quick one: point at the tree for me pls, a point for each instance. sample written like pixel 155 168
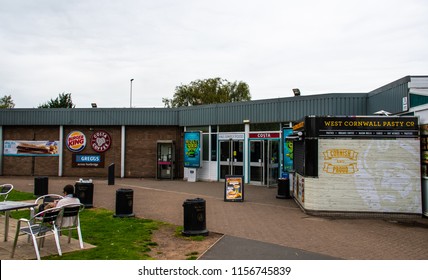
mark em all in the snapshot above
pixel 62 101
pixel 208 91
pixel 6 102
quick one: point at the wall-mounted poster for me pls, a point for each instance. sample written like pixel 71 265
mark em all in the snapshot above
pixel 192 149
pixel 234 188
pixel 30 148
pixel 288 150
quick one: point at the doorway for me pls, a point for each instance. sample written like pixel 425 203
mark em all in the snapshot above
pixel 231 158
pixel 264 162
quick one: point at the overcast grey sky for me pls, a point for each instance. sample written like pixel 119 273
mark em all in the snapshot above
pixel 92 48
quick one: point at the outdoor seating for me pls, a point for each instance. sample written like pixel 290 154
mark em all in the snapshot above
pixel 70 220
pixel 42 201
pixel 5 189
pixel 38 227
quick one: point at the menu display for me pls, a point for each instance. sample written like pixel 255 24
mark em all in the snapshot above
pixel 234 188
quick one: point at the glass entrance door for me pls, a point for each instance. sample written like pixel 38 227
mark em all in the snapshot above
pixel 257 159
pixel 273 162
pixel 264 162
pixel 231 158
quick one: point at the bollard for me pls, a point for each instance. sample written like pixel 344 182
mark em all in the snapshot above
pixel 194 217
pixel 111 174
pixel 41 186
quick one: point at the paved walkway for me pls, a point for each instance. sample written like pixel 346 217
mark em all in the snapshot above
pixel 261 220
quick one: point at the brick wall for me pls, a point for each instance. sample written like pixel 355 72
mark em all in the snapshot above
pixel 140 155
pixel 30 166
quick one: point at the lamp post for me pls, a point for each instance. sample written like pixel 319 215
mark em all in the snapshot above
pixel 130 95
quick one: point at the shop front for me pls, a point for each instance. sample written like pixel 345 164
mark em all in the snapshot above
pixel 264 154
pixel 357 164
pixel 231 154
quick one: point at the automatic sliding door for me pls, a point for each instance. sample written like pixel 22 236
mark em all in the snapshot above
pixel 256 162
pixel 231 158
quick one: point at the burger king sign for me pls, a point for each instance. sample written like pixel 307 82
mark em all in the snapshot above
pixel 76 141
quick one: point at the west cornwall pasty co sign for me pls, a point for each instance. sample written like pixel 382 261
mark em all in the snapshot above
pixel 370 127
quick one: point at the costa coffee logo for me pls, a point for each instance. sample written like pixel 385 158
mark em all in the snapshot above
pixel 76 141
pixel 100 141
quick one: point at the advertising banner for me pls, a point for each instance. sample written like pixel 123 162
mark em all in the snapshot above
pixel 234 188
pixel 192 149
pixel 30 148
pixel 288 150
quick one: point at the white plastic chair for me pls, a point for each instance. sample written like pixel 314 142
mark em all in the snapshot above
pixel 5 189
pixel 43 224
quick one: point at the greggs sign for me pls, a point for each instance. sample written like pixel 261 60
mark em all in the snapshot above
pixel 76 141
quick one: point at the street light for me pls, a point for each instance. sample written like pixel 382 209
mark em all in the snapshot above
pixel 130 95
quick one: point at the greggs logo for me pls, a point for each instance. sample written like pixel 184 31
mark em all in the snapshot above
pixel 76 141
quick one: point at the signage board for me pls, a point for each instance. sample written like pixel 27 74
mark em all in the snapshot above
pixel 361 127
pixel 264 135
pixel 231 136
pixel 30 148
pixel 100 141
pixel 234 188
pixel 88 160
pixel 76 141
pixel 192 149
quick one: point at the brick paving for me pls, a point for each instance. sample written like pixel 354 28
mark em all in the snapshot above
pixel 262 217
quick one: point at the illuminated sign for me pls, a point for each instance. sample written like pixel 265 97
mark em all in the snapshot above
pixel 75 141
pixel 100 141
pixel 264 135
pixel 192 149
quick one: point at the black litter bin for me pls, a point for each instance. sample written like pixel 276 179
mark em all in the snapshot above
pixel 124 203
pixel 84 191
pixel 194 217
pixel 283 188
pixel 41 186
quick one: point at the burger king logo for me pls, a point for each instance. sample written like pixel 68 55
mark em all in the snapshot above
pixel 76 141
pixel 100 141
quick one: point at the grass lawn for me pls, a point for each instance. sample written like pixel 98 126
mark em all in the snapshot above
pixel 115 238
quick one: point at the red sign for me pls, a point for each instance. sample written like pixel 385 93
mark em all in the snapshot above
pixel 100 141
pixel 264 135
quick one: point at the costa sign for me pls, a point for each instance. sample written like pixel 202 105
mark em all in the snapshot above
pixel 76 141
pixel 264 135
pixel 100 141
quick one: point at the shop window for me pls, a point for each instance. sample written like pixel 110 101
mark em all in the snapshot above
pixel 198 128
pixel 213 147
pixel 205 147
pixel 232 128
pixel 265 126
